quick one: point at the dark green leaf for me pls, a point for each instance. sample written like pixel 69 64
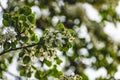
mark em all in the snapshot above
pixel 21 11
pixel 10 59
pixel 25 24
pixel 48 63
pixel 69 44
pixel 25 39
pixel 5 22
pixel 37 74
pixel 26 59
pixel 6 45
pixel 22 17
pixel 58 61
pixel 31 18
pixel 45 32
pixel 29 74
pixel 1 74
pixel 6 16
pixel 65 49
pixel 25 10
pixel 3 66
pixel 55 73
pixel 33 67
pixel 15 18
pixel 13 44
pixel 34 38
pixel 31 31
pixel 22 72
pixel 21 54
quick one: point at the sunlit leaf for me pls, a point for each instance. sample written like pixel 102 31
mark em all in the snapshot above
pixel 61 27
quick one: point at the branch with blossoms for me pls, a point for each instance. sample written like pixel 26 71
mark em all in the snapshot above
pixel 18 34
pixel 4 52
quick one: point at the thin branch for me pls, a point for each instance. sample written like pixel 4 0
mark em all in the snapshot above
pixel 18 48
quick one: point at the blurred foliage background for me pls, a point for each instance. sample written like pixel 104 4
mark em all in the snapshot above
pixel 95 49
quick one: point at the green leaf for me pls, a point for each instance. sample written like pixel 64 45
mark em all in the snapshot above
pixel 3 66
pixel 10 59
pixel 22 72
pixel 71 32
pixel 24 39
pixel 44 78
pixel 1 75
pixel 61 27
pixel 21 11
pixel 58 61
pixel 64 49
pixel 31 31
pixel 55 73
pixel 15 18
pixel 22 17
pixel 25 10
pixel 29 74
pixel 45 32
pixel 26 59
pixel 21 54
pixel 31 18
pixel 25 24
pixel 5 22
pixel 69 44
pixel 34 38
pixel 84 76
pixel 37 74
pixel 13 44
pixel 6 45
pixel 37 54
pixel 48 63
pixel 6 16
pixel 33 67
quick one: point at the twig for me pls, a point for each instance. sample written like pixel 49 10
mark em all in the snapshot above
pixel 18 48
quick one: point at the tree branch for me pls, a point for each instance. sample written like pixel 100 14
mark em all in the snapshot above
pixel 18 48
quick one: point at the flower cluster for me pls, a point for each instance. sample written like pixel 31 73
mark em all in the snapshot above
pixel 71 77
pixel 10 35
pixel 57 38
pixel 48 54
pixel 7 34
pixel 53 40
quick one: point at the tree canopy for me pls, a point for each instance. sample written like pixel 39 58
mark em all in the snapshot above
pixel 69 36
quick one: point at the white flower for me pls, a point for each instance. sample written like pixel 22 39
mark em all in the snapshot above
pixel 71 77
pixel 41 58
pixel 41 50
pixel 10 35
pixel 71 39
